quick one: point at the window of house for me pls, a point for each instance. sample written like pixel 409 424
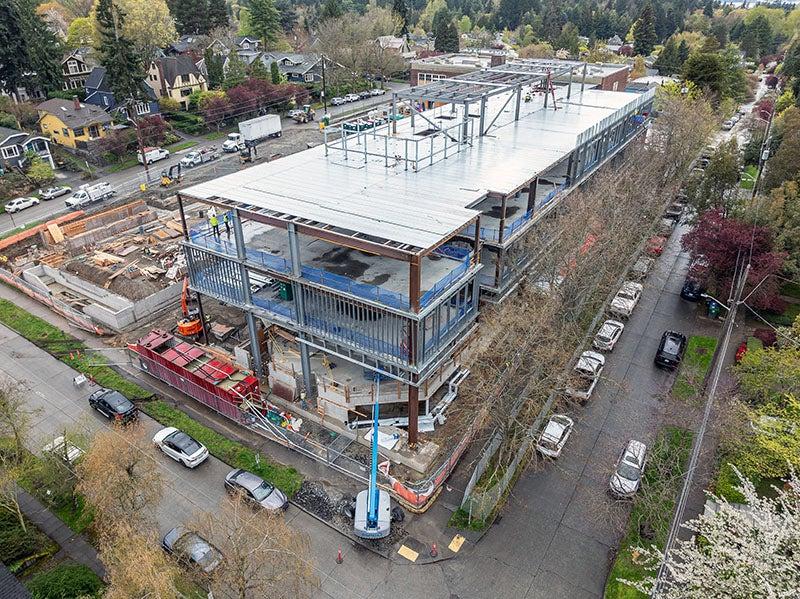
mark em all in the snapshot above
pixel 186 92
pixel 10 151
pixel 65 86
pixel 185 79
pixel 615 86
pixel 73 84
pixel 142 108
pixel 309 77
pixel 428 77
pixel 93 131
pixel 72 65
pixel 65 132
pixel 78 132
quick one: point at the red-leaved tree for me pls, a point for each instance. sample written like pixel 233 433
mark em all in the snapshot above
pixel 715 244
pixel 153 130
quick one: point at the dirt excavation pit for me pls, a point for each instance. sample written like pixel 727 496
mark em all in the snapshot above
pixel 130 288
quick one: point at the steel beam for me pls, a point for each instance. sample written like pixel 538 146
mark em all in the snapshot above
pixel 299 305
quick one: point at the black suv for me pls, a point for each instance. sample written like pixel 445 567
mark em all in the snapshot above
pixel 670 350
pixel 692 290
pixel 113 405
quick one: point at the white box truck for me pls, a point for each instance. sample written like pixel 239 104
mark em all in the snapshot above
pixel 88 194
pixel 260 128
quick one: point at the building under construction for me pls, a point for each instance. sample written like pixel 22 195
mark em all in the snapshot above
pixel 366 258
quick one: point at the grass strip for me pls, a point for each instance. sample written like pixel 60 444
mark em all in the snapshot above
pixel 68 349
pixel 286 478
pixel 181 145
pixel 652 509
pixel 694 366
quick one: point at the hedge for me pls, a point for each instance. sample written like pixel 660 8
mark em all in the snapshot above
pixel 64 582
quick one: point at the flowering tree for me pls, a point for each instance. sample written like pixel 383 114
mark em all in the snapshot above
pixel 751 551
pixel 715 244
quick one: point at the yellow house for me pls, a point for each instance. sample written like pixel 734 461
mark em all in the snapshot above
pixel 176 77
pixel 72 124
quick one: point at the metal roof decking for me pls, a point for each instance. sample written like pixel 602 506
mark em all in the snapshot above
pixel 415 211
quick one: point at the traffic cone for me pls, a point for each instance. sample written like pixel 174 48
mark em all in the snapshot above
pixel 434 551
pixel 339 558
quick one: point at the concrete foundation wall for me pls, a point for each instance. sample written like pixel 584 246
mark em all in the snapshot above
pixel 109 310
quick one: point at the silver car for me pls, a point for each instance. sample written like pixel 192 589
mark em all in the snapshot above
pixel 54 192
pixel 629 470
pixel 256 490
pixel 192 549
pixel 608 335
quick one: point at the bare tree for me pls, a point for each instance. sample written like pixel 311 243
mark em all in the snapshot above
pixel 262 555
pixel 15 415
pixel 119 476
pixel 137 567
pixel 10 470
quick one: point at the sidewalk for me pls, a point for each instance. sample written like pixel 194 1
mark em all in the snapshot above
pixel 72 545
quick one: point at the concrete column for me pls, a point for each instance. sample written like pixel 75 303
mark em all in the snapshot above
pixel 305 358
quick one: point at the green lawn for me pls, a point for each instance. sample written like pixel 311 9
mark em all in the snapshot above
pixel 287 479
pixel 8 234
pixel 668 458
pixel 68 349
pixel 122 165
pixel 749 176
pixel 694 366
pixel 214 135
pixel 181 145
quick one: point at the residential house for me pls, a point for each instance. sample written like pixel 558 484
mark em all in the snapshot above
pixel 183 45
pixel 16 145
pixel 71 123
pixel 75 68
pixel 176 77
pixel 296 68
pixel 98 93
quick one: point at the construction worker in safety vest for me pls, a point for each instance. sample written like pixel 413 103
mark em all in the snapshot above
pixel 213 220
pixel 226 218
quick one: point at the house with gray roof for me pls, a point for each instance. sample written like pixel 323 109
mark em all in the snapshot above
pixel 72 123
pixel 176 77
pixel 15 147
pixel 99 93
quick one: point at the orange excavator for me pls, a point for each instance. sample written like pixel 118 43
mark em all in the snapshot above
pixel 190 325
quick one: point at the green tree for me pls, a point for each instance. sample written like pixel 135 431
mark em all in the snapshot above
pixel 683 52
pixel 331 9
pixel 568 39
pixel 214 68
pixel 259 71
pixel 784 165
pixel 191 16
pixel 80 33
pixel 644 31
pixel 123 66
pixel 13 62
pixel 265 21
pixel 237 71
pixel 766 375
pixel 39 171
pixel 275 73
pixel 708 8
pixel 720 182
pixel 445 32
pixel 217 14
pixel 667 62
pixel 400 8
pixel 781 211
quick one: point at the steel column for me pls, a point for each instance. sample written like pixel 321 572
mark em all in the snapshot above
pixel 255 348
pixel 583 78
pixel 481 131
pixel 519 101
pixel 465 121
pixel 532 188
pixel 394 113
pixel 569 87
pixel 183 218
pixel 299 305
pixel 414 282
pixel 413 416
pixel 501 233
pixel 252 329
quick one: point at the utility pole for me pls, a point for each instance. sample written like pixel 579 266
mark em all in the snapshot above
pixel 719 363
pixel 324 88
pixel 131 108
pixel 763 154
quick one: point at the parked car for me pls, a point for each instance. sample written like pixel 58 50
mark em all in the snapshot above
pixel 626 299
pixel 606 338
pixel 338 101
pixel 18 204
pixel 352 98
pixel 675 211
pixel 629 469
pixel 180 447
pixel 54 192
pixel 655 245
pixel 665 226
pixel 555 435
pixel 64 449
pixel 191 549
pixel 377 91
pixel 692 290
pixel 642 267
pixel 151 155
pixel 364 95
pixel 670 350
pixel 113 405
pixel 256 490
pixel 586 375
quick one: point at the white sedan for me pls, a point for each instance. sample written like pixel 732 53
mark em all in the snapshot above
pixel 18 204
pixel 608 335
pixel 554 436
pixel 180 447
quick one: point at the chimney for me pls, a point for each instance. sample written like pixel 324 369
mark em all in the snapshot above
pixel 76 102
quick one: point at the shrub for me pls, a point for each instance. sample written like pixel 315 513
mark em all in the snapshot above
pixel 169 105
pixel 65 581
pixel 8 120
pixel 40 171
pixel 16 544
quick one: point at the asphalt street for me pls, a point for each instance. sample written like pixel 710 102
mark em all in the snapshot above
pixel 126 183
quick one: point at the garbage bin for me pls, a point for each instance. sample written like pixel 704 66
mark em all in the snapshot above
pixel 326 119
pixel 713 309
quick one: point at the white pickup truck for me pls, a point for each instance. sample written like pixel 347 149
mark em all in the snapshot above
pixel 87 194
pixel 585 375
pixel 198 157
